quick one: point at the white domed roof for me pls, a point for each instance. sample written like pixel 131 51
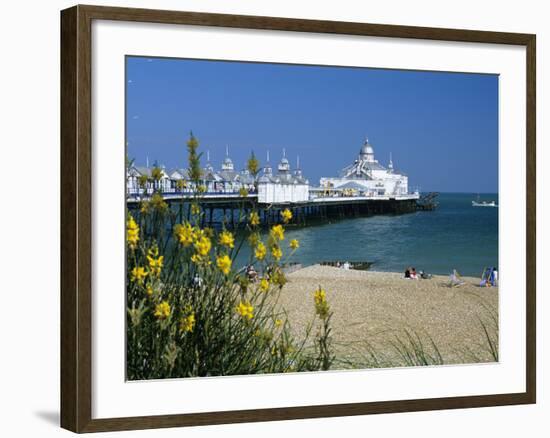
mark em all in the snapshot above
pixel 227 164
pixel 367 151
pixel 367 148
pixel 284 165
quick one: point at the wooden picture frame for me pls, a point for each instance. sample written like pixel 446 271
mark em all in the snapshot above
pixel 76 217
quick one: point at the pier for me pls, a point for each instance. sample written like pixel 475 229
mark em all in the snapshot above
pixel 363 188
pixel 228 209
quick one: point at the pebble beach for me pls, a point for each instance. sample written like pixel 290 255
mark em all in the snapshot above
pixel 375 311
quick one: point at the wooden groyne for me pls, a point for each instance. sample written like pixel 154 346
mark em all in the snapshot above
pixel 359 266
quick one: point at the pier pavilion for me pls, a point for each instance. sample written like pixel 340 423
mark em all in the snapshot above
pixel 367 176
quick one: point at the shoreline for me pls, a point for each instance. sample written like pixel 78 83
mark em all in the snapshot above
pixel 470 280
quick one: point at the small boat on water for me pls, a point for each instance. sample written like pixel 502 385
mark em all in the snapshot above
pixel 479 203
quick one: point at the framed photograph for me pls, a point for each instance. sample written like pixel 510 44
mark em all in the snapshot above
pixel 269 218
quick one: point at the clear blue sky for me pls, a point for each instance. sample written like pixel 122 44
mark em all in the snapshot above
pixel 442 128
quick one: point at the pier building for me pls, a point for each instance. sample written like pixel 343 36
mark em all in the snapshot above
pixel 284 186
pixel 367 177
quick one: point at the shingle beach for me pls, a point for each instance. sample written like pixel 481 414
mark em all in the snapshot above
pixel 374 309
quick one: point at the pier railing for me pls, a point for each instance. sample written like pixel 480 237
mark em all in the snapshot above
pixel 174 196
pixel 253 196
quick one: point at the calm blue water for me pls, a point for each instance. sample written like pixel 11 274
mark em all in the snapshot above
pixel 456 235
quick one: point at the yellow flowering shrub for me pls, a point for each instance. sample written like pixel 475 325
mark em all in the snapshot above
pixel 277 277
pixel 320 296
pixel 138 274
pixel 260 251
pixel 254 218
pixel 203 246
pixel 156 262
pixel 245 310
pixel 277 232
pixel 184 233
pixel 227 239
pixel 286 215
pixel 264 284
pixel 162 310
pixel 321 305
pixel 187 323
pixel 243 193
pixel 144 207
pixel 199 260
pixel 132 232
pixel 276 252
pixel 192 309
pixel 158 203
pixel 195 210
pixel 223 263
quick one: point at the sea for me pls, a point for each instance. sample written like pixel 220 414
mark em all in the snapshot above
pixel 454 236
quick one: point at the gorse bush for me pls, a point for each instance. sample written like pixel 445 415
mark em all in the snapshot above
pixel 192 312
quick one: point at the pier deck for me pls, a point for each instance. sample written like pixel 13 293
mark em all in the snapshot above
pixel 226 207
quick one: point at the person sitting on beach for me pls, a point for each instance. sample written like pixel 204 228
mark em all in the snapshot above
pixel 424 275
pixel 408 273
pixel 414 276
pixel 346 265
pixel 251 273
pixel 455 280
